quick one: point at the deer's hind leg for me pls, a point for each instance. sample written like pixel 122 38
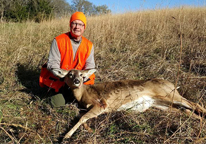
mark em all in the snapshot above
pixel 93 112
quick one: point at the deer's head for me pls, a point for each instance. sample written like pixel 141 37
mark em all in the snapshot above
pixel 76 78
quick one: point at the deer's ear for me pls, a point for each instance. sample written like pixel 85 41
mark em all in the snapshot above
pixel 91 71
pixel 88 73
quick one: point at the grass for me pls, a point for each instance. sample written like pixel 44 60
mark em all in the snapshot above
pixel 166 43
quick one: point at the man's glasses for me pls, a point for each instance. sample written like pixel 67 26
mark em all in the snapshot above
pixel 77 24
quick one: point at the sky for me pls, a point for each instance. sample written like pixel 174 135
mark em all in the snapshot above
pixel 121 6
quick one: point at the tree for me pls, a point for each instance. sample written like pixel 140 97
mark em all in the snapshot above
pixel 88 8
pixel 39 9
pixel 102 10
pixel 61 8
pixel 4 6
pixel 13 10
pixel 22 10
pixel 77 5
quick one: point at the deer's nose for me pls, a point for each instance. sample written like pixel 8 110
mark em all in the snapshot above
pixel 76 81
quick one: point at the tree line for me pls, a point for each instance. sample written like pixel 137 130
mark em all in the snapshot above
pixel 38 10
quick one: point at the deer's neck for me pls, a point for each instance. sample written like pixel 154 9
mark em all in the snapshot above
pixel 86 96
pixel 78 92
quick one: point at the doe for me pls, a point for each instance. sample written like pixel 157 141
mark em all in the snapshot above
pixel 137 95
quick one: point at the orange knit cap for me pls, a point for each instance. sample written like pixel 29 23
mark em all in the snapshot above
pixel 78 16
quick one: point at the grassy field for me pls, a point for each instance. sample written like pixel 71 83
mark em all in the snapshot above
pixel 168 43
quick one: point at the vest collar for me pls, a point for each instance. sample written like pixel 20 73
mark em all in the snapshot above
pixel 76 42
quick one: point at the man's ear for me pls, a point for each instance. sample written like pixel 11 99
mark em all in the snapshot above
pixel 88 73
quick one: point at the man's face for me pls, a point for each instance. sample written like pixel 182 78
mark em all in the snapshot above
pixel 77 28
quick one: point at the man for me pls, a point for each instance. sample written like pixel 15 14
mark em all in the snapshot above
pixel 68 51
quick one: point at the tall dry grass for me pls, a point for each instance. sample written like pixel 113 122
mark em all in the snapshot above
pixel 167 43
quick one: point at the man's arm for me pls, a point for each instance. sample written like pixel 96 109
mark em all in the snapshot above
pixel 53 64
pixel 90 64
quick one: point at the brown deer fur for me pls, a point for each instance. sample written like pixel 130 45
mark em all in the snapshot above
pixel 138 95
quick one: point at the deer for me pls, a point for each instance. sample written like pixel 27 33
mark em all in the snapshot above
pixel 136 95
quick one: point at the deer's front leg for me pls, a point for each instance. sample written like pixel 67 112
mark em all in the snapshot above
pixel 94 112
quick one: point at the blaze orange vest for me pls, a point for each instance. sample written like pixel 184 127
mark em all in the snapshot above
pixel 65 47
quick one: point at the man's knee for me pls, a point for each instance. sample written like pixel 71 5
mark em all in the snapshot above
pixel 57 100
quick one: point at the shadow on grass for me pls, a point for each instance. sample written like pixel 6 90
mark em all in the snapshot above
pixel 29 77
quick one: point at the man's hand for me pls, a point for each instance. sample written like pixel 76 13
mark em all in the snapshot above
pixel 60 73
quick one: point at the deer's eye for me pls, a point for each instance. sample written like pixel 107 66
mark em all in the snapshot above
pixel 70 75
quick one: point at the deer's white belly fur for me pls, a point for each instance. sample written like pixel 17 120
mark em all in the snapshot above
pixel 141 104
